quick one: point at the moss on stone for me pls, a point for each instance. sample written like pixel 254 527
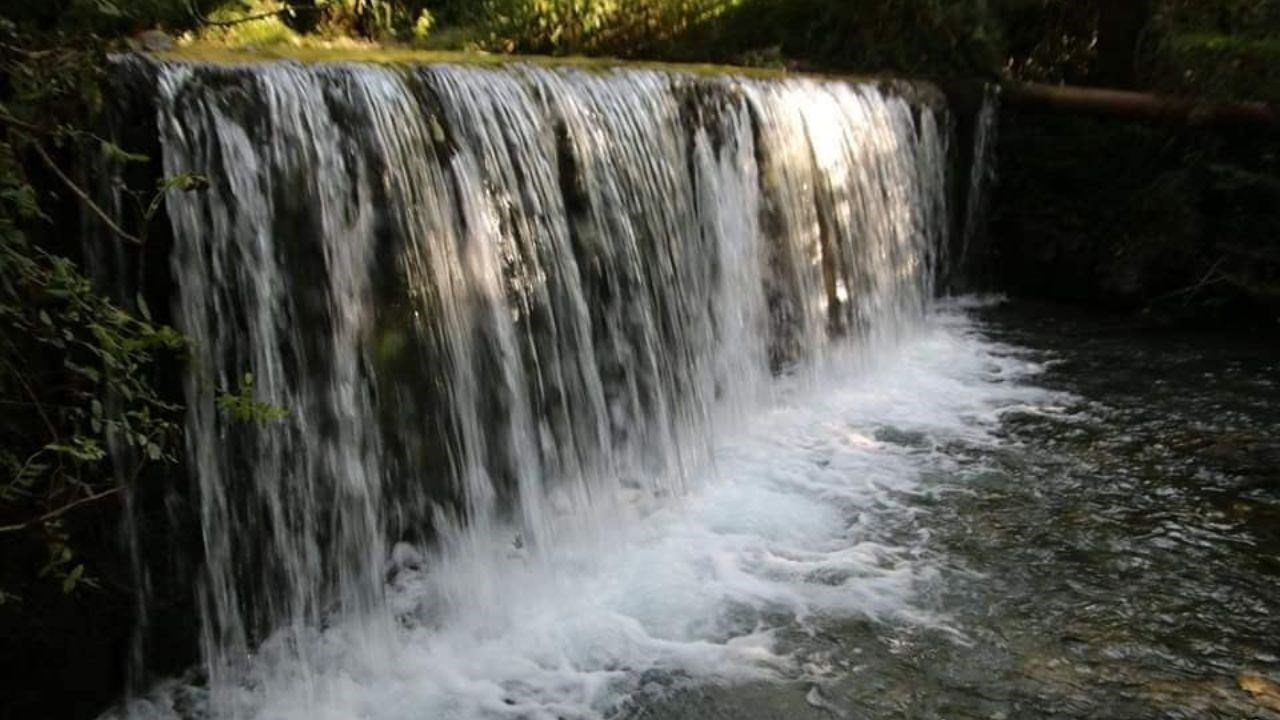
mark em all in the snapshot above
pixel 918 92
pixel 401 55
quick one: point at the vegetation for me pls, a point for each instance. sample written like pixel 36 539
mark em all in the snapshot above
pixel 1181 223
pixel 82 416
pixel 1224 47
pixel 89 411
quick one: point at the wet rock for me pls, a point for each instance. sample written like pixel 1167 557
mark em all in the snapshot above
pixel 815 698
pixel 1265 692
pixel 151 41
pixel 1245 456
pixel 907 438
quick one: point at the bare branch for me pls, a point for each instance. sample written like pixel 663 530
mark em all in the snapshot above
pixel 60 511
pixel 35 399
pixel 84 197
pixel 245 19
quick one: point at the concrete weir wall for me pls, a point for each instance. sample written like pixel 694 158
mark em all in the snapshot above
pixel 767 215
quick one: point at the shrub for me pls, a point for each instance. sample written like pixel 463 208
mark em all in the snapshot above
pixel 80 413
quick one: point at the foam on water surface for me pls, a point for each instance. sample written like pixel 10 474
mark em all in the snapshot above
pixel 594 381
pixel 787 529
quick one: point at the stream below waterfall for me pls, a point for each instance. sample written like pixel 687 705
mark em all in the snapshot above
pixel 1017 513
pixel 1110 550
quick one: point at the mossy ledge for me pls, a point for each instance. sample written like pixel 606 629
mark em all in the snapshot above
pixel 919 91
pixel 392 55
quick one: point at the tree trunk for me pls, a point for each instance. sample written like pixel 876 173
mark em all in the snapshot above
pixel 1120 26
pixel 1144 107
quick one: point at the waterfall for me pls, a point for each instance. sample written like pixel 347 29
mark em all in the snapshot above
pixel 982 175
pixel 502 308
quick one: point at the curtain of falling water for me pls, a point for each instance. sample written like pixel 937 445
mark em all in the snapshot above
pixel 493 301
pixel 982 173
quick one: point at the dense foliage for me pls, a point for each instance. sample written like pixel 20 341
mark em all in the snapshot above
pixel 82 415
pixel 1182 226
pixel 1181 222
pixel 1224 47
pixel 89 411
pixel 924 34
pixel 1221 49
pixel 40 21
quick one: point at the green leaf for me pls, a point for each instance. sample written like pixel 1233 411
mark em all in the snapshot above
pixel 116 153
pixel 186 182
pixel 81 448
pixel 31 473
pixel 69 582
pixel 142 307
pixel 87 372
pixel 108 9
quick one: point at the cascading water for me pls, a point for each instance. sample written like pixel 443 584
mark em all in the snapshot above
pixel 513 315
pixel 982 174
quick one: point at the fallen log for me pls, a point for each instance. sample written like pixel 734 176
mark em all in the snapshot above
pixel 1139 106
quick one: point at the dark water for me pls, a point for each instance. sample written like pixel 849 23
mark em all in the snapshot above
pixel 1114 556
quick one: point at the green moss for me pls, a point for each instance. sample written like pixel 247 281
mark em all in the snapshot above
pixel 916 92
pixel 452 37
pixel 263 31
pixel 401 55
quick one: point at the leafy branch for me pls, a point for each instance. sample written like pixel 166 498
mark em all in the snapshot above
pixel 243 407
pixel 82 366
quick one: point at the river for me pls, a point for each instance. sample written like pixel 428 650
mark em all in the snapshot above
pixel 1111 550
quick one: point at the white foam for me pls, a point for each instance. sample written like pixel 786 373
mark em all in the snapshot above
pixel 788 529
